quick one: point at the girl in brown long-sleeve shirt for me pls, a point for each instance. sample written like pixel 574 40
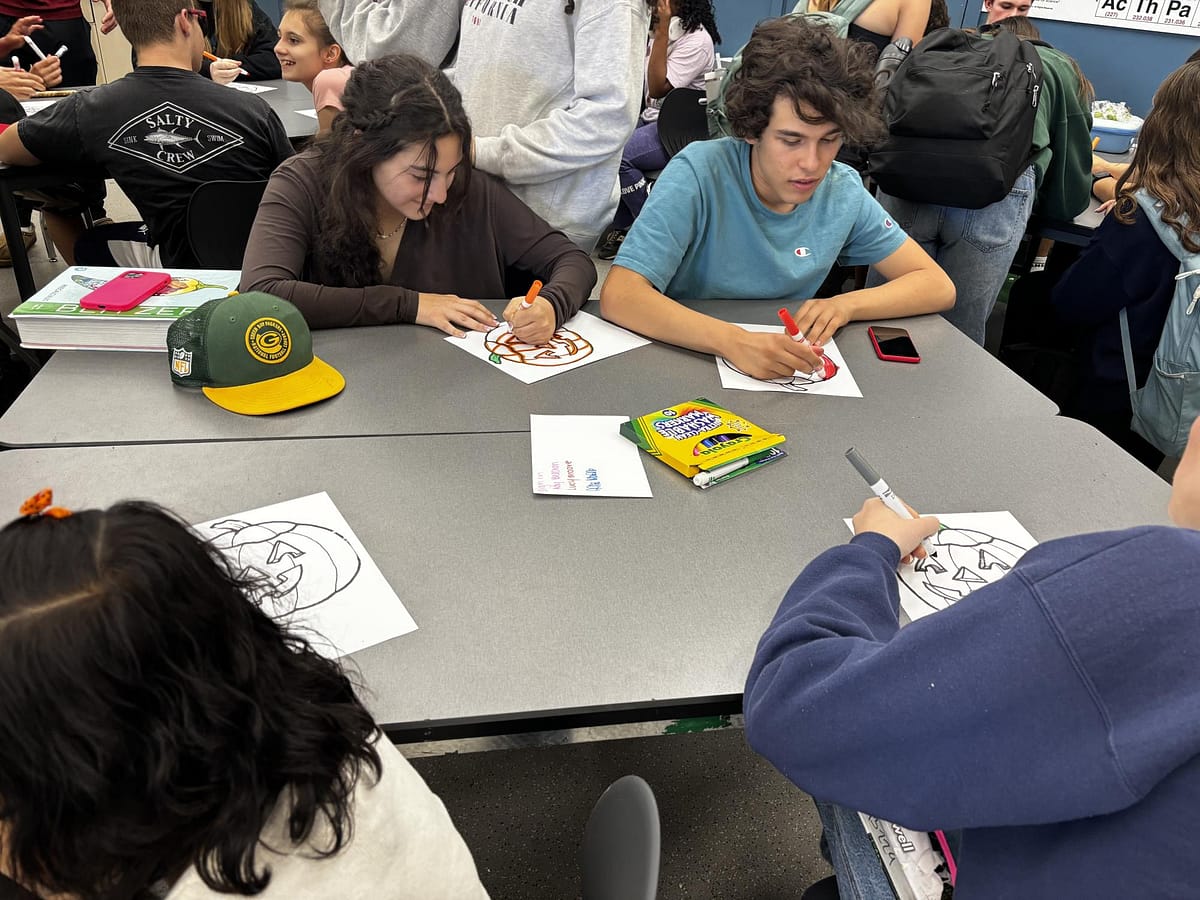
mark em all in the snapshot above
pixel 385 221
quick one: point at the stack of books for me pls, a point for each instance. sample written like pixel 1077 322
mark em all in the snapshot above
pixel 52 318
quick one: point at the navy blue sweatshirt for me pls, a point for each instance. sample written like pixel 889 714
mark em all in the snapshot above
pixel 1124 266
pixel 1054 715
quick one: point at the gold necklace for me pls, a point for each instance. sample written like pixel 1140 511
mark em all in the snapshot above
pixel 391 234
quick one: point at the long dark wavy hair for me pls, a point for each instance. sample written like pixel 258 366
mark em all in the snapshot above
pixel 391 104
pixel 693 14
pixel 1166 163
pixel 807 63
pixel 151 715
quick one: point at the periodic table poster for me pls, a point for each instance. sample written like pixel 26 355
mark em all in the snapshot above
pixel 1168 16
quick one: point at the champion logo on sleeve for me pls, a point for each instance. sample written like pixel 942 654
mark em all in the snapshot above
pixel 888 223
pixel 802 252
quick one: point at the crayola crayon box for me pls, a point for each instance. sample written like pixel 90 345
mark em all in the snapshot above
pixel 700 436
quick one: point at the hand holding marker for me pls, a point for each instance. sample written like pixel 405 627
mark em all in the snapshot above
pixel 880 489
pixel 531 294
pixel 828 369
pixel 212 57
pixel 527 303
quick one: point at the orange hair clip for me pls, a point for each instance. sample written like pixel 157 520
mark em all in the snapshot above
pixel 39 505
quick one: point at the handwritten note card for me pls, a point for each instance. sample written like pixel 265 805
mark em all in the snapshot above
pixel 585 456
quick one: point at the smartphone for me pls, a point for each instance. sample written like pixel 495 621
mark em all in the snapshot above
pixel 893 344
pixel 125 291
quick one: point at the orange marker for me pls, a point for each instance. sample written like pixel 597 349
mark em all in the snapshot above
pixel 1095 143
pixel 531 295
pixel 212 57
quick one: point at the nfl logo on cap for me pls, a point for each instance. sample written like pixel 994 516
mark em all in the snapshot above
pixel 251 354
pixel 181 362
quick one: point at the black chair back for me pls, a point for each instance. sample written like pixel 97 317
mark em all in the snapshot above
pixel 682 120
pixel 219 218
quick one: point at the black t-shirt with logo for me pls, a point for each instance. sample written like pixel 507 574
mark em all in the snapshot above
pixel 161 132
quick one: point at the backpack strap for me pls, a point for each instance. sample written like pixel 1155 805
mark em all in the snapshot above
pixel 850 9
pixel 1127 351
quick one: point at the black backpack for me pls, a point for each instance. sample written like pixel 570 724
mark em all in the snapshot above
pixel 960 112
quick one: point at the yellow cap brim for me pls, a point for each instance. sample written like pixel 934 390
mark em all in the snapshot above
pixel 315 382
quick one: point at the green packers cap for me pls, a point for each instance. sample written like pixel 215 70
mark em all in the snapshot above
pixel 251 354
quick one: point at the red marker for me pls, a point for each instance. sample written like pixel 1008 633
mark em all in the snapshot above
pixel 828 368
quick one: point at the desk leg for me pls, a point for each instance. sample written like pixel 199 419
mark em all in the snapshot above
pixel 24 275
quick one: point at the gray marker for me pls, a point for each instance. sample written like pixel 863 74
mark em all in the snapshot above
pixel 880 489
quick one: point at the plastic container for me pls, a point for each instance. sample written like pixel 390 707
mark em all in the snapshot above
pixel 1115 137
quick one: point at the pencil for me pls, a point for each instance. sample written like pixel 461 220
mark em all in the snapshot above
pixel 212 57
pixel 1095 143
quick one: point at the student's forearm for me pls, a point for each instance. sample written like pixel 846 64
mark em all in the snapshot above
pixel 656 66
pixel 629 300
pixel 1105 189
pixel 913 294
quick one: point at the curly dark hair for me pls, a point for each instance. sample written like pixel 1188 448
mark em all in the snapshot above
pixel 809 64
pixel 391 104
pixel 693 13
pixel 151 716
pixel 1166 164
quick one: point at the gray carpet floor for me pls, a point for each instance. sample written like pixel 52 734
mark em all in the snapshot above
pixel 732 827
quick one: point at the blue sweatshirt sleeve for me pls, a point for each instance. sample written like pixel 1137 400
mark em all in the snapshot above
pixel 967 718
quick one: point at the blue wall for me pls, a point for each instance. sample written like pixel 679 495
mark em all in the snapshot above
pixel 1123 64
pixel 272 8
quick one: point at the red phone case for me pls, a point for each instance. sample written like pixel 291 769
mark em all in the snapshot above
pixel 125 291
pixel 879 352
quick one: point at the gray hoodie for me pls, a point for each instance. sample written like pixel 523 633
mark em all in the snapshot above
pixel 553 97
pixel 368 29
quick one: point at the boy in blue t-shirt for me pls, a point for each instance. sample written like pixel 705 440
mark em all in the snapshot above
pixel 766 214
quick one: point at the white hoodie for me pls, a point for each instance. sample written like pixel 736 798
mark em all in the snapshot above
pixel 369 29
pixel 553 97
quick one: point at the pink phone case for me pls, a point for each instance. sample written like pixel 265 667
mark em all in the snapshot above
pixel 125 291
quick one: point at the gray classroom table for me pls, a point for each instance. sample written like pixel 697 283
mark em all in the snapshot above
pixel 287 99
pixel 545 612
pixel 406 379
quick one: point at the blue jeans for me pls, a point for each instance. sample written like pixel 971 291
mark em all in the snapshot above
pixel 644 153
pixel 855 861
pixel 975 247
pixel 850 850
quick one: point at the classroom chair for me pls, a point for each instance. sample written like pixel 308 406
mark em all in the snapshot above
pixel 681 119
pixel 219 217
pixel 622 843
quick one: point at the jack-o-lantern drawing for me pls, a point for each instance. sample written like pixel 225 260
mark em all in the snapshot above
pixel 798 381
pixel 296 565
pixel 966 559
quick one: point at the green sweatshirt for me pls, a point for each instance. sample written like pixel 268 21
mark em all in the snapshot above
pixel 1062 141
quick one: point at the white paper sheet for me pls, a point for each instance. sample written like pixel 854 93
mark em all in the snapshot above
pixel 842 384
pixel 311 113
pixel 322 580
pixel 973 549
pixel 582 340
pixel 33 106
pixel 585 456
pixel 249 88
